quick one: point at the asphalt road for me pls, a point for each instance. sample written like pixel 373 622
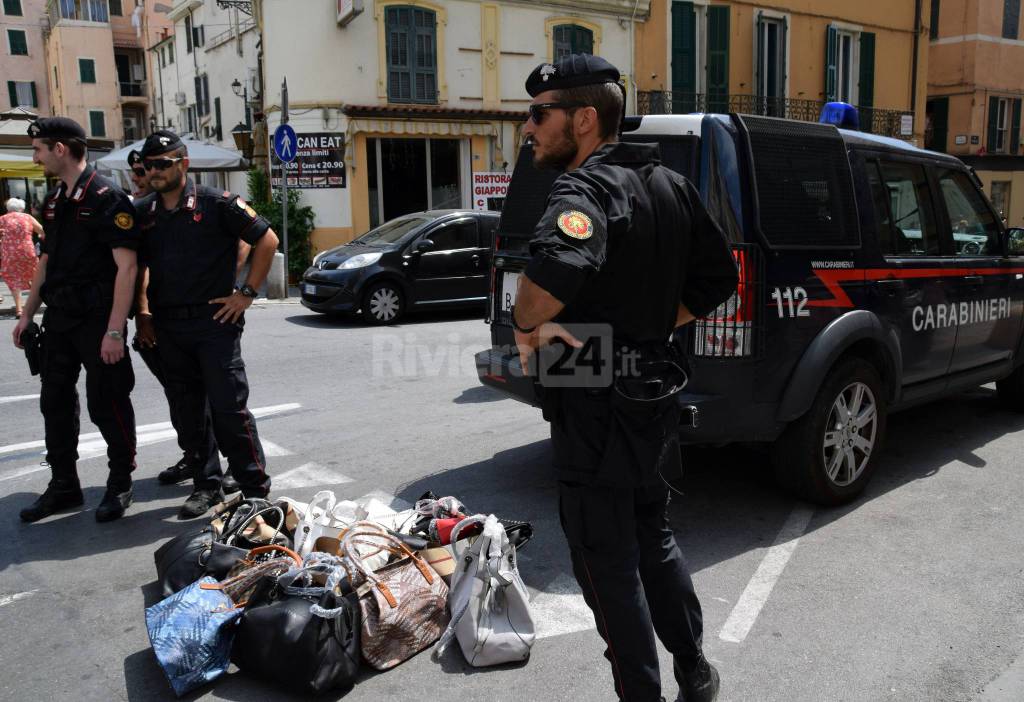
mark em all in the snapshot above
pixel 914 592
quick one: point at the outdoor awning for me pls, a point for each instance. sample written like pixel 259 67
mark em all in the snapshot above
pixel 422 127
pixel 201 156
pixel 14 166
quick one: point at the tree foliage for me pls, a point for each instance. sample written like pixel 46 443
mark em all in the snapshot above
pixel 300 219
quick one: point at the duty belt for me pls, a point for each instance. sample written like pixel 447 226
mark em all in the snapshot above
pixel 185 311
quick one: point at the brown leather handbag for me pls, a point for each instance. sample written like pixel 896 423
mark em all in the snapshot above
pixel 403 603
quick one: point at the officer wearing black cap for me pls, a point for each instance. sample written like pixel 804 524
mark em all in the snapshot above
pixel 86 276
pixel 624 243
pixel 190 237
pixel 140 187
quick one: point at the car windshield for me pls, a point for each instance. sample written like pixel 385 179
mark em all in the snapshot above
pixel 391 232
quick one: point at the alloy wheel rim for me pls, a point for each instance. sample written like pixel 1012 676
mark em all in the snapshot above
pixel 384 304
pixel 850 432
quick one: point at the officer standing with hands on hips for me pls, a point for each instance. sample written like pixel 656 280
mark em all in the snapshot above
pixel 626 243
pixel 189 308
pixel 86 276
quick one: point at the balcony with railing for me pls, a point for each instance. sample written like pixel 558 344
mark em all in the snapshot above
pixel 133 90
pixel 883 122
pixel 78 11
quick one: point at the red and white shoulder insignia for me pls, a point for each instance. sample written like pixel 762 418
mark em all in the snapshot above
pixel 102 190
pixel 575 224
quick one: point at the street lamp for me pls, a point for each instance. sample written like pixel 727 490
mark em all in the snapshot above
pixel 243 140
pixel 242 91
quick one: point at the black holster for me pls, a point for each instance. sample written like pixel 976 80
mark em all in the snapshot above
pixel 32 341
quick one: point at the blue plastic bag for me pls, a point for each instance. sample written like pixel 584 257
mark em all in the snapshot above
pixel 191 632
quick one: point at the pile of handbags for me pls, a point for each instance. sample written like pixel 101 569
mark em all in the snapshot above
pixel 304 594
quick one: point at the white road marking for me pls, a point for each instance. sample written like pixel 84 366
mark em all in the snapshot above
pixel 273 450
pixel 308 475
pixel 17 398
pixel 395 503
pixel 28 470
pixel 560 609
pixel 756 594
pixel 8 599
pixel 146 434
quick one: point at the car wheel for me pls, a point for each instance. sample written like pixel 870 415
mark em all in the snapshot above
pixel 1011 390
pixel 828 455
pixel 383 304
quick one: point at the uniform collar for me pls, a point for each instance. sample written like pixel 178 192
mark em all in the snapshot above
pixel 81 185
pixel 625 152
pixel 187 201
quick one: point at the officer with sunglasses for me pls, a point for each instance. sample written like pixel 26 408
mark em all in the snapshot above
pixel 86 276
pixel 137 174
pixel 189 309
pixel 624 243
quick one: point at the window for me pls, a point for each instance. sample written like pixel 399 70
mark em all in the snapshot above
pixel 87 70
pixel 163 57
pixel 933 23
pixel 975 230
pixel 1011 18
pixel 1000 196
pixel 412 54
pixel 845 68
pixel 906 218
pixel 22 93
pixel 572 39
pixel 115 8
pixel 188 35
pixel 771 61
pixel 85 10
pixel 170 54
pixel 198 36
pixel 17 42
pixel 202 86
pixel 1003 125
pixel 97 123
pixel 13 8
pixel 460 235
pixel 410 175
pixel 56 81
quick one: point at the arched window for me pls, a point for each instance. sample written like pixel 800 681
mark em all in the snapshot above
pixel 572 39
pixel 412 54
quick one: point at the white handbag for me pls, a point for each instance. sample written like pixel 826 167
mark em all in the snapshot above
pixel 316 520
pixel 489 603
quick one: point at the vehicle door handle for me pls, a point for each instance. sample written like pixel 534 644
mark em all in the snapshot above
pixel 890 286
pixel 476 259
pixel 974 280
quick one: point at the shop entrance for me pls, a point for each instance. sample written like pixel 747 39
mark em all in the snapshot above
pixel 410 175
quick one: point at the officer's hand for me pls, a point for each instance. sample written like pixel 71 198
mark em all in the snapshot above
pixel 543 335
pixel 233 307
pixel 145 332
pixel 18 329
pixel 111 350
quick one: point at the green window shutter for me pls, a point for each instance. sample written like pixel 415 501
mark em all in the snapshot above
pixel 18 42
pixel 933 23
pixel 718 59
pixel 87 70
pixel 1011 18
pixel 397 30
pixel 759 50
pixel 13 8
pixel 12 92
pixel 684 57
pixel 572 39
pixel 993 123
pixel 425 75
pixel 1015 127
pixel 115 8
pixel 35 97
pixel 867 69
pixel 97 124
pixel 831 61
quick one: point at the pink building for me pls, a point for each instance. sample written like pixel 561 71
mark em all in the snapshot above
pixel 23 55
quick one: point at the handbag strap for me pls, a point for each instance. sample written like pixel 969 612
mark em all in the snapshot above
pixel 229 537
pixel 360 535
pixel 234 586
pixel 457 529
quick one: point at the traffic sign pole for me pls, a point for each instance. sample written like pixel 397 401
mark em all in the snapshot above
pixel 284 183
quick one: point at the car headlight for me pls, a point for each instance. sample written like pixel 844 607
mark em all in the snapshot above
pixel 360 261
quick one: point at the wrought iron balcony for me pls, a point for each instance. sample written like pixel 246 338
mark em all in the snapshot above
pixel 665 102
pixel 133 89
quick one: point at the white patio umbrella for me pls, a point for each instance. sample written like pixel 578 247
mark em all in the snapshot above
pixel 201 156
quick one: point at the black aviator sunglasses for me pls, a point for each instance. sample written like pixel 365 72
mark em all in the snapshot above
pixel 161 164
pixel 139 171
pixel 539 111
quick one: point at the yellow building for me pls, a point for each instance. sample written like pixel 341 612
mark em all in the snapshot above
pixel 786 58
pixel 975 85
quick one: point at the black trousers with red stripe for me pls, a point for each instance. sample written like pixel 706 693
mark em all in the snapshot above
pixel 70 345
pixel 202 363
pixel 624 553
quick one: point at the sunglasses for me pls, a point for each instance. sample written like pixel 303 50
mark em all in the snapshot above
pixel 161 164
pixel 139 171
pixel 539 111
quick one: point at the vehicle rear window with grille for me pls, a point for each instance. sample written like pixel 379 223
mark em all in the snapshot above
pixel 526 197
pixel 804 185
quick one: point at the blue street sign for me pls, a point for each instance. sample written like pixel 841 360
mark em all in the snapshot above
pixel 284 143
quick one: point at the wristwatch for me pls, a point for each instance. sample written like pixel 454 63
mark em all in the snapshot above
pixel 248 291
pixel 512 313
pixel 115 335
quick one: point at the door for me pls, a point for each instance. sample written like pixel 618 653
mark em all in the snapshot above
pixel 916 288
pixel 988 327
pixel 938 120
pixel 453 267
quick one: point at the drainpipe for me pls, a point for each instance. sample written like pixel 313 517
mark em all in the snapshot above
pixel 917 42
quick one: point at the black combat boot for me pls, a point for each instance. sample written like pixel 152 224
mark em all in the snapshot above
pixel 182 470
pixel 199 502
pixel 113 504
pixel 699 683
pixel 54 499
pixel 229 485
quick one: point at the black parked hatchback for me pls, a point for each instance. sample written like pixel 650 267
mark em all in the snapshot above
pixel 433 259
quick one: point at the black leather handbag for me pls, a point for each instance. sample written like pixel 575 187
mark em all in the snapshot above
pixel 209 551
pixel 280 640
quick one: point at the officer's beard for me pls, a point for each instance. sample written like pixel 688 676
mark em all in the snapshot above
pixel 561 153
pixel 167 185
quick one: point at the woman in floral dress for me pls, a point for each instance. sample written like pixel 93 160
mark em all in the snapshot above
pixel 17 252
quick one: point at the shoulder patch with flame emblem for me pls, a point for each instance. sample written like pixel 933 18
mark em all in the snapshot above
pixel 575 224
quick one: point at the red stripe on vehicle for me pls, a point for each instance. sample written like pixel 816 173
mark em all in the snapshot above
pixel 832 279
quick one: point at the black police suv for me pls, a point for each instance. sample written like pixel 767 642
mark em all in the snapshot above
pixel 873 276
pixel 433 259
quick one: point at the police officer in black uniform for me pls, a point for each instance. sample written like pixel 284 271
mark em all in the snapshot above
pixel 86 277
pixel 190 236
pixel 625 243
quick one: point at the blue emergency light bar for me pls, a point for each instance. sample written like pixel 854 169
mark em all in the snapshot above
pixel 841 114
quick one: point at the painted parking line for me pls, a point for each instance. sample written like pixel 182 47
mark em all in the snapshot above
pixel 9 599
pixel 560 609
pixel 272 450
pixel 308 475
pixel 756 594
pixel 17 398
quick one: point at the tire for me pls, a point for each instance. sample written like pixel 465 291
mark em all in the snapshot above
pixel 1011 390
pixel 832 467
pixel 383 303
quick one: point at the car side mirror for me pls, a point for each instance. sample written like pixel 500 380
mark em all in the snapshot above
pixel 424 245
pixel 1014 242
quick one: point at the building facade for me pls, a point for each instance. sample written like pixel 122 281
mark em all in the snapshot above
pixel 23 59
pixel 786 58
pixel 412 97
pixel 975 89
